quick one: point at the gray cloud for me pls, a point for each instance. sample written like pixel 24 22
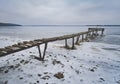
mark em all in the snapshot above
pixel 60 11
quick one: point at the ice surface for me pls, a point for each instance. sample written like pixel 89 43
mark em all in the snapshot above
pixel 89 63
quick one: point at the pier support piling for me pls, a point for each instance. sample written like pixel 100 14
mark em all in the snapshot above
pixel 66 45
pixel 86 38
pixel 102 32
pixel 41 57
pixel 73 45
pixel 82 37
pixel 45 50
pixel 77 40
pixel 39 51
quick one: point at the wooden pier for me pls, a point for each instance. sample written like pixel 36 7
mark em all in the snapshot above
pixel 76 39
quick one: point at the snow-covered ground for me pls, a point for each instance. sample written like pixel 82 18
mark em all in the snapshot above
pixel 89 63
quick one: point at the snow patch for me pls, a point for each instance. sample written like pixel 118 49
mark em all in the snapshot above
pixel 89 63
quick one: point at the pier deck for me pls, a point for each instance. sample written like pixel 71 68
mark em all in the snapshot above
pixel 85 36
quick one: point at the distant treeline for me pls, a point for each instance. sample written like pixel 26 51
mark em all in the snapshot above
pixel 103 25
pixel 76 25
pixel 9 24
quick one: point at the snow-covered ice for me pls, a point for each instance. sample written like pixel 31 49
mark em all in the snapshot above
pixel 89 63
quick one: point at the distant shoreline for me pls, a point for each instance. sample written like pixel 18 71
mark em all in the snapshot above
pixel 76 25
pixel 52 25
pixel 9 24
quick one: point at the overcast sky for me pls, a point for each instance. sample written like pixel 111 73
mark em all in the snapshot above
pixel 60 11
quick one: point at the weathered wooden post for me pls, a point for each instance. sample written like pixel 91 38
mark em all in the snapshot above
pixel 41 58
pixel 77 40
pixel 39 51
pixel 92 34
pixel 102 31
pixel 73 45
pixel 82 37
pixel 86 37
pixel 96 33
pixel 66 45
pixel 44 50
pixel 89 34
pixel 88 29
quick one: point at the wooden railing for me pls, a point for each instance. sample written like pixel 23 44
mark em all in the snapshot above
pixel 85 36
